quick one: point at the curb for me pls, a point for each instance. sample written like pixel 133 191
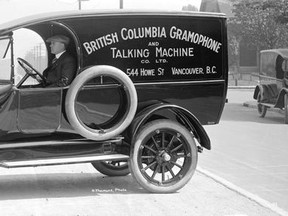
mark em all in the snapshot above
pixel 241 87
pixel 242 192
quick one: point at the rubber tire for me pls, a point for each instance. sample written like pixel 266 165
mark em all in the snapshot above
pixel 79 81
pixel 261 108
pixel 111 170
pixel 143 135
pixel 286 108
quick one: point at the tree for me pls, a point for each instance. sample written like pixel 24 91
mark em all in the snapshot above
pixel 233 47
pixel 263 23
pixel 189 7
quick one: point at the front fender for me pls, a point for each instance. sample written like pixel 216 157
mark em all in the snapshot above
pixel 258 89
pixel 268 92
pixel 5 91
pixel 182 115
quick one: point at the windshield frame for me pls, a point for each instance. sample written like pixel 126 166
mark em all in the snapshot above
pixel 9 46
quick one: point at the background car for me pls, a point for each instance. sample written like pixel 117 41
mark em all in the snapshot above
pixel 273 75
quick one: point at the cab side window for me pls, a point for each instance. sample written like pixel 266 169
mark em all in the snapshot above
pixel 31 47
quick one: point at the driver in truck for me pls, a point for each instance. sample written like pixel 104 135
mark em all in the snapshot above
pixel 62 69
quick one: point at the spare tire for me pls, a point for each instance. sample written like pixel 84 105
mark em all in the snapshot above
pixel 125 118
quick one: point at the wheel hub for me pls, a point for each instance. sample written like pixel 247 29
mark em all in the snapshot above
pixel 163 156
pixel 166 157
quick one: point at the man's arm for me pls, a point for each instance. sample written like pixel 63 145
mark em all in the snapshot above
pixel 68 71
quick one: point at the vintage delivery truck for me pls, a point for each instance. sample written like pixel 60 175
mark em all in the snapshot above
pixel 272 90
pixel 146 84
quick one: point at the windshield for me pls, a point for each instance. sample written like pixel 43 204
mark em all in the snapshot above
pixel 5 58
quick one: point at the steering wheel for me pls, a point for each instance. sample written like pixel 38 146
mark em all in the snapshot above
pixel 30 71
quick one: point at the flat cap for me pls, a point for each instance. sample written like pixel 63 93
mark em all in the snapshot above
pixel 59 38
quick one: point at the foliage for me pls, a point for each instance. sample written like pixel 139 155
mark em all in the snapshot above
pixel 263 22
pixel 233 50
pixel 189 7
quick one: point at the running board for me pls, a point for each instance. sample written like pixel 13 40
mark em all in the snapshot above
pixel 68 160
pixel 56 143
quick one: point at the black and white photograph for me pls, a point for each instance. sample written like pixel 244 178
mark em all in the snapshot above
pixel 144 108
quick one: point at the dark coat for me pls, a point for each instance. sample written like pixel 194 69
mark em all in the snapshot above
pixel 61 72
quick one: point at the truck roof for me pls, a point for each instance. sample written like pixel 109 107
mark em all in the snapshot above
pixel 282 52
pixel 38 18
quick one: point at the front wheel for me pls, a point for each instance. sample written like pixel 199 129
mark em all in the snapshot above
pixel 112 168
pixel 163 156
pixel 286 108
pixel 261 108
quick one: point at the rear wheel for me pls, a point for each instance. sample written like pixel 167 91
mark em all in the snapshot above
pixel 163 156
pixel 261 108
pixel 112 168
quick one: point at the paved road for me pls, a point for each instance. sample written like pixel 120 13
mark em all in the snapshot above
pixel 79 190
pixel 249 151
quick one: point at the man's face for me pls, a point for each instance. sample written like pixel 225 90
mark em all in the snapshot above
pixel 57 47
